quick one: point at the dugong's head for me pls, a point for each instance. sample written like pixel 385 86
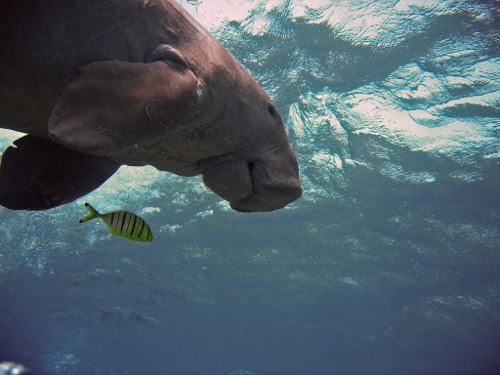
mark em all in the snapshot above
pixel 257 170
pixel 189 109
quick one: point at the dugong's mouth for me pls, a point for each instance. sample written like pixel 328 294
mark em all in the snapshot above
pixel 266 184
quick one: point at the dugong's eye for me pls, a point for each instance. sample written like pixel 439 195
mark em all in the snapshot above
pixel 272 111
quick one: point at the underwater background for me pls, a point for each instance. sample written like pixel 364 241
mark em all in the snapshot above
pixel 388 264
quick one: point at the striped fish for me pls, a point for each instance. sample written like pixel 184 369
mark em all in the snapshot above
pixel 122 223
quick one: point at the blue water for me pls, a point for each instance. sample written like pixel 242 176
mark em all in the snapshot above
pixel 389 264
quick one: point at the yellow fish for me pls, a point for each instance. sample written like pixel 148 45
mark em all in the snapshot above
pixel 122 223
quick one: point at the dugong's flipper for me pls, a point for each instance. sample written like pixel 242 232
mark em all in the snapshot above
pixel 38 174
pixel 110 107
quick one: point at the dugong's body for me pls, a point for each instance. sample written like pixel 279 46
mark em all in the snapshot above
pixel 100 83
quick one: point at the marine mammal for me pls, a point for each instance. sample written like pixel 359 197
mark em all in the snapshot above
pixel 103 83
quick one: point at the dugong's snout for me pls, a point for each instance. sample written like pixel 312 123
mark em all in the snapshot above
pixel 266 184
pixel 275 181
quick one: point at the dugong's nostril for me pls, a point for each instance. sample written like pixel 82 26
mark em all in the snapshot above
pixel 275 178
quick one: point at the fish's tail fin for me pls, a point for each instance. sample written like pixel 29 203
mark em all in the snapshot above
pixel 93 213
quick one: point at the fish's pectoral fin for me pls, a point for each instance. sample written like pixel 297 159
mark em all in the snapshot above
pixel 110 107
pixel 37 174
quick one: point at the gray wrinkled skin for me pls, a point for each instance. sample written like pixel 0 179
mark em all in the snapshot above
pixel 135 83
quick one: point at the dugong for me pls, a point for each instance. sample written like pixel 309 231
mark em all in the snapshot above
pixel 96 84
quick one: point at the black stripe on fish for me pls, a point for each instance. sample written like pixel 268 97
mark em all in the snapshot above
pixel 132 225
pixel 139 228
pixel 129 223
pixel 122 224
pixel 139 231
pixel 118 222
pixel 113 217
pixel 144 228
pixel 126 222
pixel 136 224
pixel 108 218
